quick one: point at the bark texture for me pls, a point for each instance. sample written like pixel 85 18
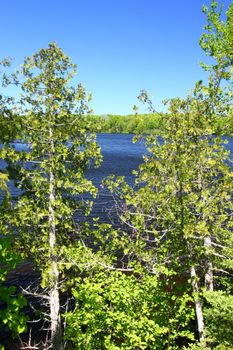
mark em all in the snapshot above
pixel 54 300
pixel 198 305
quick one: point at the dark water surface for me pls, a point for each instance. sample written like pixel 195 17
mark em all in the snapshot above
pixel 120 157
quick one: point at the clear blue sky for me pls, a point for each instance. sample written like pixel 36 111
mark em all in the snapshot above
pixel 120 46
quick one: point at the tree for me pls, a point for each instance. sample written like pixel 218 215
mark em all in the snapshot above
pixel 180 211
pixel 50 170
pixel 183 209
pixel 178 219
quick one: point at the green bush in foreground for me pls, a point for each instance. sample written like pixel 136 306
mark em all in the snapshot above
pixel 116 311
pixel 11 314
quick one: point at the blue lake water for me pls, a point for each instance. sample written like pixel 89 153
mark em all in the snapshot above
pixel 120 157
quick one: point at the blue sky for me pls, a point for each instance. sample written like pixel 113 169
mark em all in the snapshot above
pixel 120 46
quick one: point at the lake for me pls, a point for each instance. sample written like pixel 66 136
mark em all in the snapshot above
pixel 120 157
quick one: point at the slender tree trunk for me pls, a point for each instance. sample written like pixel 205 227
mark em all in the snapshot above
pixel 198 305
pixel 209 280
pixel 54 302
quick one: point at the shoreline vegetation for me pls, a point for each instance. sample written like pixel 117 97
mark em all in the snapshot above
pixel 129 124
pixel 138 124
pixel 151 123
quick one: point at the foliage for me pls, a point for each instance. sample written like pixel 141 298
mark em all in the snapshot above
pixel 219 319
pixel 9 121
pixel 183 194
pixel 3 180
pixel 140 285
pixel 119 311
pixel 132 124
pixel 50 170
pixel 198 346
pixel 179 213
pixel 216 42
pixel 11 302
pixel 11 315
pixel 184 177
pixel 46 104
pixel 217 39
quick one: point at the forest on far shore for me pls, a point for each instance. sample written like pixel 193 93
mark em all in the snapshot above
pixel 148 123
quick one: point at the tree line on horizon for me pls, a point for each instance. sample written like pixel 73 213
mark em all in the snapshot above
pixel 130 124
pixel 162 279
pixel 144 124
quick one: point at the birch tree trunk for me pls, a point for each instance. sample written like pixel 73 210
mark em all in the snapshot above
pixel 209 279
pixel 198 305
pixel 54 301
pixel 207 245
